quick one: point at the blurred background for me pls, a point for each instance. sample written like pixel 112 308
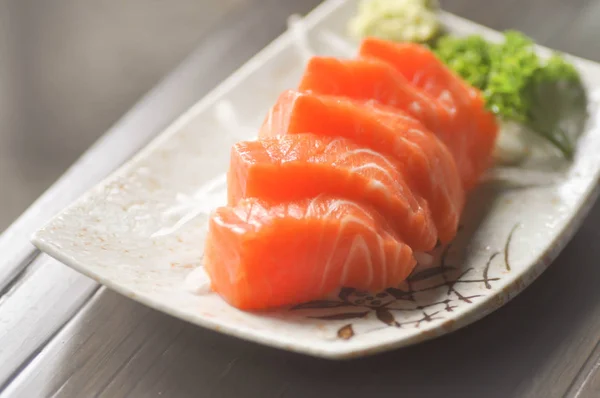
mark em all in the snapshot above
pixel 69 69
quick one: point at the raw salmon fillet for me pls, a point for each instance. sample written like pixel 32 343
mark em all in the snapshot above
pixel 426 162
pixel 298 166
pixel 368 162
pixel 473 134
pixel 260 255
pixel 369 78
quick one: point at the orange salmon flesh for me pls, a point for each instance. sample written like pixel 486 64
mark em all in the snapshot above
pixel 366 162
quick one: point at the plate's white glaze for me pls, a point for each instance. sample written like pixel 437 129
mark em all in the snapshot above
pixel 141 231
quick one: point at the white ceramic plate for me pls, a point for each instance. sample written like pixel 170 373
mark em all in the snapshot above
pixel 135 233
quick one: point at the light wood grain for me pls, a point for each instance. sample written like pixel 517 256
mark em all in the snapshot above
pixel 591 387
pixel 43 300
pixel 542 344
pixel 587 383
pixel 532 347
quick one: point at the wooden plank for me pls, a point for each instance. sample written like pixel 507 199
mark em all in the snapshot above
pixel 591 387
pixel 44 299
pixel 587 383
pixel 532 347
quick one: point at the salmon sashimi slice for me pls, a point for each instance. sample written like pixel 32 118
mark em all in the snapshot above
pixel 428 166
pixel 472 136
pixel 369 79
pixel 261 256
pixel 298 166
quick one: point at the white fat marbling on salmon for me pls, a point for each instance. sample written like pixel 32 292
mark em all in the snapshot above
pixel 376 183
pixel 373 153
pixel 359 246
pixel 447 100
pixel 335 207
pixel 311 207
pixel 282 122
pixel 374 166
pixel 269 121
pixel 415 107
pixel 336 204
pixel 233 227
pixel 432 121
pixel 332 145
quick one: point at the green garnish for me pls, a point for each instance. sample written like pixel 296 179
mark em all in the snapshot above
pixel 469 57
pixel 512 65
pixel 546 96
pixel 559 104
pixel 397 20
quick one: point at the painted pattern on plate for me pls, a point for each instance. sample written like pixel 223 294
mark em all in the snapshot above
pixel 413 304
pixel 129 232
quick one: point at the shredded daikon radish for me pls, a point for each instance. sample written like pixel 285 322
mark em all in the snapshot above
pixel 227 116
pixel 297 27
pixel 512 146
pixel 198 281
pixel 340 45
pixel 522 176
pixel 203 201
pixel 423 258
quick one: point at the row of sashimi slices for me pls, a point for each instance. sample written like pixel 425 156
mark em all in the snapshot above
pixel 366 163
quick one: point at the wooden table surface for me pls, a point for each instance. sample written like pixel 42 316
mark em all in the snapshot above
pixel 61 335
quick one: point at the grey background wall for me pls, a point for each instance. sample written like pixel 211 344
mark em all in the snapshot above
pixel 69 69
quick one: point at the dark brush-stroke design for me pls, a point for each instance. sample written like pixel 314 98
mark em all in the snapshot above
pixel 507 246
pixel 384 304
pixel 486 270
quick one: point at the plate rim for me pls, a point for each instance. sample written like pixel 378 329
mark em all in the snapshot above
pixel 337 351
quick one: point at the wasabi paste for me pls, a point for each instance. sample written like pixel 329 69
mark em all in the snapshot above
pixel 397 20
